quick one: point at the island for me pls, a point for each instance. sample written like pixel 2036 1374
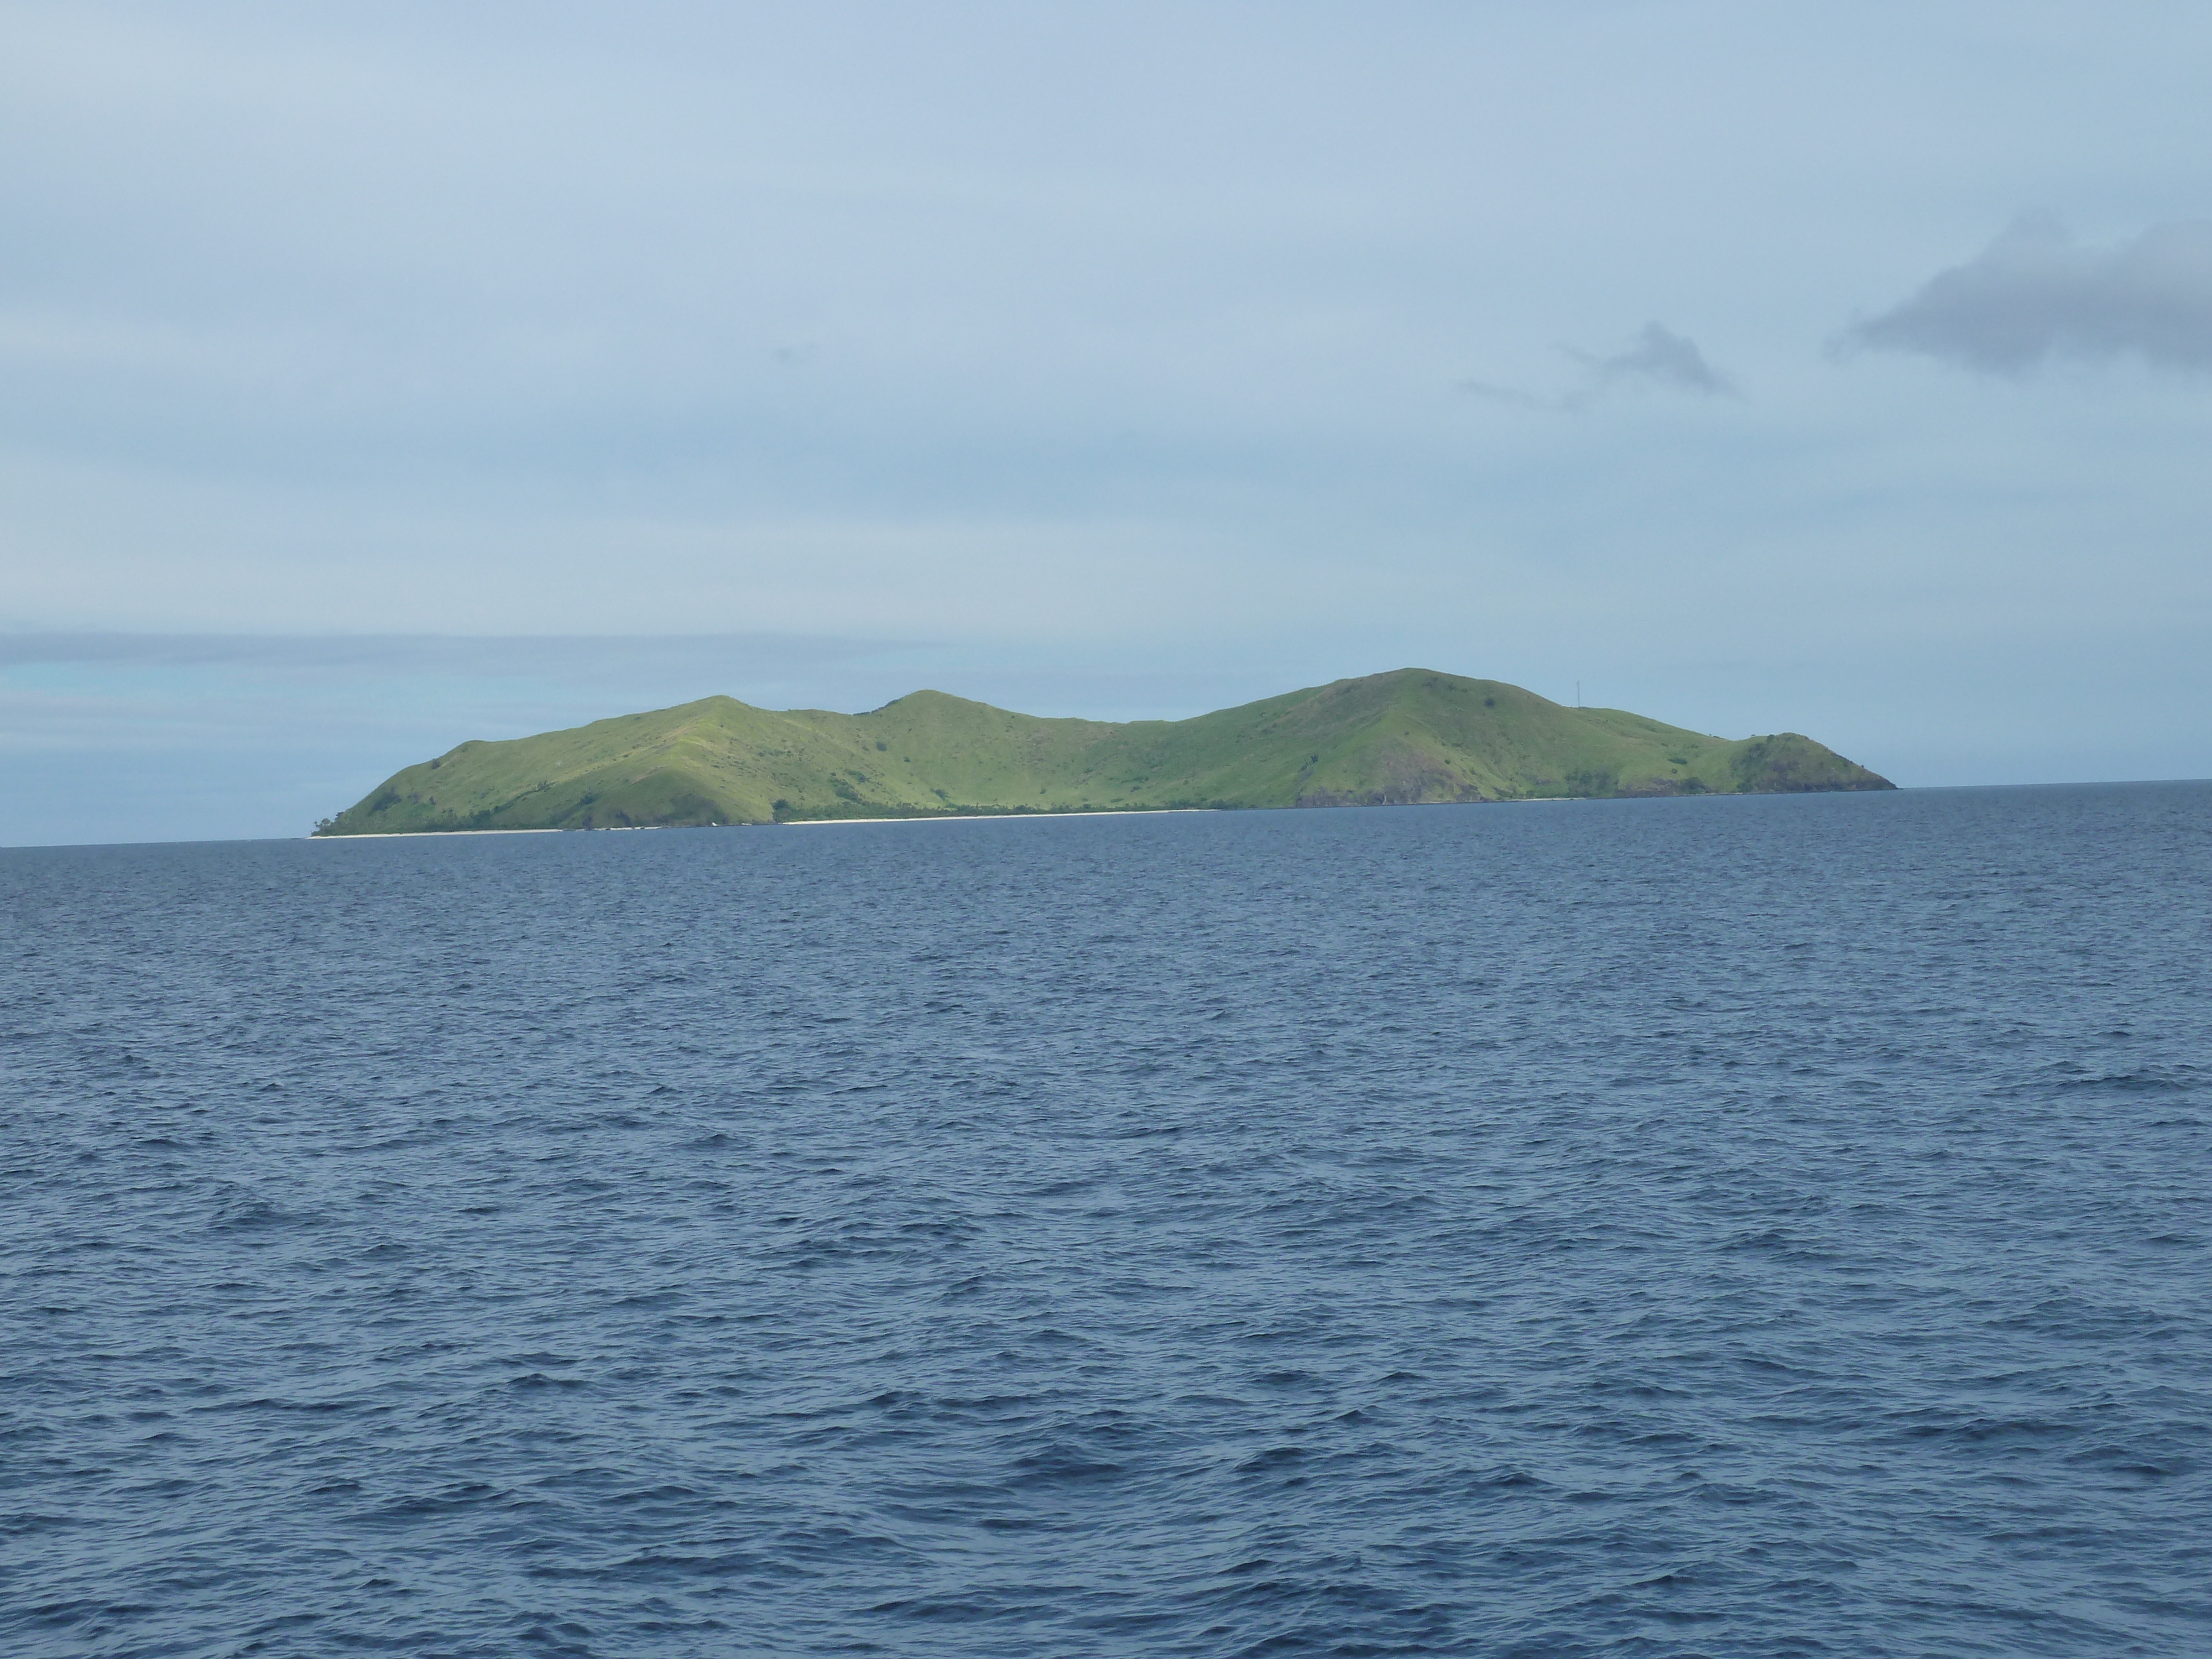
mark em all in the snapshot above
pixel 1409 738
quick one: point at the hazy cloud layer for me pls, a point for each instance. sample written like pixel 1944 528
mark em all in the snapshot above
pixel 1658 357
pixel 2034 293
pixel 581 660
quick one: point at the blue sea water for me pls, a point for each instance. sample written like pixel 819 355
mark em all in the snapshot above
pixel 1723 1227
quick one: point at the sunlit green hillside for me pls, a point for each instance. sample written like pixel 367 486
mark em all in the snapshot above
pixel 1407 737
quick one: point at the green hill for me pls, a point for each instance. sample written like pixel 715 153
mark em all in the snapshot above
pixel 1407 737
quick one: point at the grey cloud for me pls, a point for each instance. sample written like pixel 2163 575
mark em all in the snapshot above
pixel 1657 357
pixel 2034 295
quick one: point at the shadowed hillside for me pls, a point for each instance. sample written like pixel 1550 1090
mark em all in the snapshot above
pixel 1407 737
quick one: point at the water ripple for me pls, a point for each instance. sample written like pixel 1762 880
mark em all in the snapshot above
pixel 1694 1228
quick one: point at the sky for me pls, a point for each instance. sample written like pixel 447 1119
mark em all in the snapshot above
pixel 374 378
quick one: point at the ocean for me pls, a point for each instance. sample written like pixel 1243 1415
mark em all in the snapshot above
pixel 1741 1226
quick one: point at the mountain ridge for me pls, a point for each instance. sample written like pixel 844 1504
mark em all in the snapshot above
pixel 1408 737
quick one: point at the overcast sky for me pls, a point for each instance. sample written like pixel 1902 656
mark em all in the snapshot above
pixel 1841 368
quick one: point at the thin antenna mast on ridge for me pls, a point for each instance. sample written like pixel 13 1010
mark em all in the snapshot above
pixel 1578 693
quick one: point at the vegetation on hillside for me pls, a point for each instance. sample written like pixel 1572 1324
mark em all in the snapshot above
pixel 1411 736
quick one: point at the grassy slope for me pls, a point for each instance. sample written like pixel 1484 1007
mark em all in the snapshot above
pixel 1404 737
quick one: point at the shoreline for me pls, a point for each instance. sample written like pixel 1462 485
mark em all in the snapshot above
pixel 426 834
pixel 934 818
pixel 987 818
pixel 780 824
